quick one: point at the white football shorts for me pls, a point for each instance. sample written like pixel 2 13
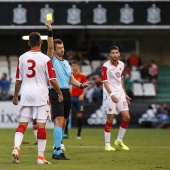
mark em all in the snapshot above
pixel 109 107
pixel 40 113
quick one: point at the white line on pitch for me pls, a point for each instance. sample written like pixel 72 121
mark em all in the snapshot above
pixel 133 147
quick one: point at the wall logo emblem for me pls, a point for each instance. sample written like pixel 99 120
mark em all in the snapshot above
pixel 19 15
pixel 99 15
pixel 126 14
pixel 73 15
pixel 44 12
pixel 153 14
pixel 99 117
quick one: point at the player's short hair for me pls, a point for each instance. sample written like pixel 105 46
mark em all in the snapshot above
pixel 114 48
pixel 34 39
pixel 75 62
pixel 57 41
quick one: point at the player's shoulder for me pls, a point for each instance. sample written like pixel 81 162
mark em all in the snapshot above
pixel 23 55
pixel 121 63
pixel 107 63
pixel 66 62
pixel 45 57
pixel 82 74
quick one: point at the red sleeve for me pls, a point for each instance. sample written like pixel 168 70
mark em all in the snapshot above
pixel 104 73
pixel 17 71
pixel 51 71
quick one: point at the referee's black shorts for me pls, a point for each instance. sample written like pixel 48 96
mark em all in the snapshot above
pixel 60 108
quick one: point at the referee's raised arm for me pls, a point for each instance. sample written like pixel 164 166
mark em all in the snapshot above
pixel 50 47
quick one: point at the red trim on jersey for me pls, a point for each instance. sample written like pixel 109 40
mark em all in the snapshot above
pixel 108 127
pixel 104 73
pixel 51 71
pixel 76 91
pixel 115 64
pixel 17 71
pixel 21 129
pixel 41 133
pixel 124 124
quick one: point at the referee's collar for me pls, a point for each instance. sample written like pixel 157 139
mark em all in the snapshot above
pixel 59 59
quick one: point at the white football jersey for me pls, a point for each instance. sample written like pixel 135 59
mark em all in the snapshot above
pixel 34 70
pixel 113 74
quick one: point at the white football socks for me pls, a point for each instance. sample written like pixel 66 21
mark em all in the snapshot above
pixel 121 134
pixel 18 139
pixel 107 136
pixel 41 147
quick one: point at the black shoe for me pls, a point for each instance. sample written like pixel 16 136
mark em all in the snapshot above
pixel 53 156
pixel 60 157
pixel 36 143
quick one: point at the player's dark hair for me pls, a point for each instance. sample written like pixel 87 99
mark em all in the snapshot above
pixel 114 48
pixel 57 41
pixel 75 62
pixel 34 39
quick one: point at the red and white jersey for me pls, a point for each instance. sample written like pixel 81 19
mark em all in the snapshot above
pixel 34 70
pixel 113 74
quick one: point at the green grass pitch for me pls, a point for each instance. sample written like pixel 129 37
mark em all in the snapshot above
pixel 149 150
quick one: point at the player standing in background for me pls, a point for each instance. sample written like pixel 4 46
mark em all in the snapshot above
pixel 77 98
pixel 60 110
pixel 115 99
pixel 33 71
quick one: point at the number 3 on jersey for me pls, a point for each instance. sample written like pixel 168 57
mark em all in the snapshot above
pixel 31 68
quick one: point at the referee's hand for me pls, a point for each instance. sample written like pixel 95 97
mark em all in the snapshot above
pixel 84 85
pixel 60 97
pixel 48 24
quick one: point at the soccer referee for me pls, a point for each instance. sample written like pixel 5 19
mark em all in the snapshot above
pixel 60 110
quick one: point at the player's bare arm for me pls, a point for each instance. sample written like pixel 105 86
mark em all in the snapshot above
pixel 16 92
pixel 56 87
pixel 127 97
pixel 76 83
pixel 50 48
pixel 114 98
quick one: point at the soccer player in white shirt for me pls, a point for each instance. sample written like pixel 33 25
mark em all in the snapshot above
pixel 115 99
pixel 33 72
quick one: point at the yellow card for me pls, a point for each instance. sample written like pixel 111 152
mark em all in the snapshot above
pixel 49 16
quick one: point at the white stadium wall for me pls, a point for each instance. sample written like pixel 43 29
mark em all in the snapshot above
pixel 8 116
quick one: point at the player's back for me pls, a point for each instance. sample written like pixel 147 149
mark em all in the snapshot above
pixel 33 73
